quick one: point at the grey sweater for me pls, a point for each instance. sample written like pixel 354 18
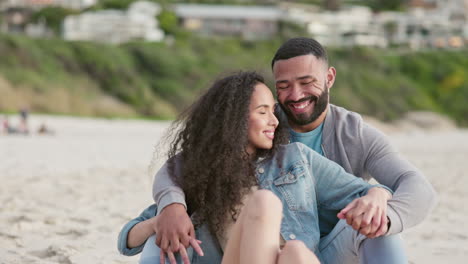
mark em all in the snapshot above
pixel 362 151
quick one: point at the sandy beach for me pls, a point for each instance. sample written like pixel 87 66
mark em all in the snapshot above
pixel 64 197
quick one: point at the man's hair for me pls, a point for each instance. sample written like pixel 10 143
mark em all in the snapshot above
pixel 300 46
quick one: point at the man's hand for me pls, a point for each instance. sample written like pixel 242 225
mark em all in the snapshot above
pixel 175 232
pixel 368 214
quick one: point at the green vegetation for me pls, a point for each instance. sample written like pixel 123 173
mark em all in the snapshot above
pixel 168 22
pixel 158 80
pixel 52 17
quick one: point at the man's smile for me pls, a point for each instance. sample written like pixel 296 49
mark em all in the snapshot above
pixel 302 106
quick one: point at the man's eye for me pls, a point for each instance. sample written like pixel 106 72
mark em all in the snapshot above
pixel 306 83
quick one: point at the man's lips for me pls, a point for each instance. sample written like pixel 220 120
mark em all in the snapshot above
pixel 302 105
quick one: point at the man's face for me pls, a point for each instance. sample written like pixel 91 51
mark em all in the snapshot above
pixel 302 85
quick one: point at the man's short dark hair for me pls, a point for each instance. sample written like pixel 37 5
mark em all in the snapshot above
pixel 300 46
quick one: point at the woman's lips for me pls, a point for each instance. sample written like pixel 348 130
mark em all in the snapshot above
pixel 269 134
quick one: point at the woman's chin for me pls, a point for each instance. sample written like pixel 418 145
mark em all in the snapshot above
pixel 267 147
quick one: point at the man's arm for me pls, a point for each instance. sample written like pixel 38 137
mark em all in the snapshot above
pixel 413 197
pixel 165 191
pixel 336 188
pixel 360 202
pixel 174 225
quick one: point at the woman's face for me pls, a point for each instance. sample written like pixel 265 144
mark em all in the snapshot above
pixel 262 120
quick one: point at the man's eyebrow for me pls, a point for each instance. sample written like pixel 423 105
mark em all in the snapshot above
pixel 281 81
pixel 305 77
pixel 298 78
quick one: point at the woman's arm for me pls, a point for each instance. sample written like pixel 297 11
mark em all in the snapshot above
pixel 124 236
pixel 140 232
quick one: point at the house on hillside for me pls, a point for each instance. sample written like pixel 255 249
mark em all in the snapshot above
pixel 114 26
pixel 248 22
pixel 15 15
pixel 351 26
pixel 16 20
pixel 38 4
pixel 428 23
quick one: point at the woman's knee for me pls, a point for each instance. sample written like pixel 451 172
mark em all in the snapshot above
pixel 294 246
pixel 295 251
pixel 263 204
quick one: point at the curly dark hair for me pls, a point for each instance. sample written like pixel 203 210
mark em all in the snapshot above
pixel 211 142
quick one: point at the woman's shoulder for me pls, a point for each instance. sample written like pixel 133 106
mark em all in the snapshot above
pixel 295 147
pixel 295 152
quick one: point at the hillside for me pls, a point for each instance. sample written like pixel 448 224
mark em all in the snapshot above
pixel 159 80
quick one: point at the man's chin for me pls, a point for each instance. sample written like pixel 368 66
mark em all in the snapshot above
pixel 301 119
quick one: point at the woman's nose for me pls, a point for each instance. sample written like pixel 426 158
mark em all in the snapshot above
pixel 273 120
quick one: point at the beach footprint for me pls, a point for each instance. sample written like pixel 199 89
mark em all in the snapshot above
pixel 73 233
pixel 55 254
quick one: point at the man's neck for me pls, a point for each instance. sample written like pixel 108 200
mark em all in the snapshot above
pixel 311 126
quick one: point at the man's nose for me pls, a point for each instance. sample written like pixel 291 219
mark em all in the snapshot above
pixel 296 93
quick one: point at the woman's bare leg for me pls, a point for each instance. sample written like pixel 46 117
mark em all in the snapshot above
pixel 296 252
pixel 255 236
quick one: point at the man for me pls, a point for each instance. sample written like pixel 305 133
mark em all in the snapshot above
pixel 303 80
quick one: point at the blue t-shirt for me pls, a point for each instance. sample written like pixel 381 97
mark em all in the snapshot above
pixel 313 139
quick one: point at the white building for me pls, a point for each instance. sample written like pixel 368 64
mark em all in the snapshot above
pixel 350 26
pixel 435 24
pixel 38 4
pixel 430 23
pixel 113 26
pixel 248 22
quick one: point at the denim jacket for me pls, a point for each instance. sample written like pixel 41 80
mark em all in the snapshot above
pixel 304 181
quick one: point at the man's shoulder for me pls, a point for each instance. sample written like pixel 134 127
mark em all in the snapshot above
pixel 343 122
pixel 349 125
pixel 344 116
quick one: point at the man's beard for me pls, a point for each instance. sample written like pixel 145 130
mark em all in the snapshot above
pixel 305 118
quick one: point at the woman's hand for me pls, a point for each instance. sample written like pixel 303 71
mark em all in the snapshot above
pixel 368 214
pixel 182 251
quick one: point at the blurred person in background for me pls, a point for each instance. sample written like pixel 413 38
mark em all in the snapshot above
pixel 23 126
pixel 5 125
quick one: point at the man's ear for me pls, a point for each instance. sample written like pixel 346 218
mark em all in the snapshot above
pixel 331 74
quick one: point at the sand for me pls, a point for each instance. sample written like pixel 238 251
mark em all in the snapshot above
pixel 64 197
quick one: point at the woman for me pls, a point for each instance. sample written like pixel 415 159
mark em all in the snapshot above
pixel 230 144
